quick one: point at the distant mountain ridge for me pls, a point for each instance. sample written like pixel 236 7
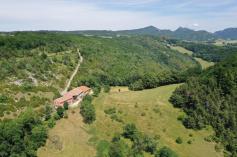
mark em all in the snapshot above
pixel 180 33
pixel 229 33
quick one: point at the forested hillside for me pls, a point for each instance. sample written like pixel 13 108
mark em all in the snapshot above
pixel 31 52
pixel 34 66
pixel 229 33
pixel 137 62
pixel 211 99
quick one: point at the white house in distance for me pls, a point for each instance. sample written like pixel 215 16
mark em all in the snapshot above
pixel 73 97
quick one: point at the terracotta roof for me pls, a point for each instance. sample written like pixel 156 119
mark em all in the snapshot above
pixel 69 95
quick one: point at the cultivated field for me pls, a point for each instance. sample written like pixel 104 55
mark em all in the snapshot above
pixel 148 109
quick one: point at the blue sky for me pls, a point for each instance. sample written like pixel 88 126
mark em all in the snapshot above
pixel 210 15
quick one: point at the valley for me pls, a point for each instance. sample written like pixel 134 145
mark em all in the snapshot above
pixel 134 80
pixel 125 78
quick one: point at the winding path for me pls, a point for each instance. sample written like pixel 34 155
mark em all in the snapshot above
pixel 73 74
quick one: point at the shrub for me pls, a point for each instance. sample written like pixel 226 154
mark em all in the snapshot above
pixel 3 99
pixel 96 91
pixel 130 131
pixel 181 118
pixel 48 111
pixel 179 140
pixel 56 116
pixel 116 118
pixel 110 110
pixel 156 110
pixel 208 138
pixel 87 110
pixel 102 149
pixel 51 122
pixel 166 152
pixel 60 111
pixel 149 144
pixel 65 105
pixel 219 147
pixel 190 142
pixel 106 88
pixel 143 114
pixel 137 85
pixel 118 148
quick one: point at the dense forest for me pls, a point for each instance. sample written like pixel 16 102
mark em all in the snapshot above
pixel 211 99
pixel 137 62
pixel 22 136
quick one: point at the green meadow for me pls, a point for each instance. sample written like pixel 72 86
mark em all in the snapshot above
pixel 150 110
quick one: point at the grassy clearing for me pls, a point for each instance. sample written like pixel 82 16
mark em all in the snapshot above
pixel 68 138
pixel 205 64
pixel 154 115
pixel 221 42
pixel 148 109
pixel 182 50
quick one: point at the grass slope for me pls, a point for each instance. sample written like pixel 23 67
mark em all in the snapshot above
pixel 68 139
pixel 148 109
pixel 205 64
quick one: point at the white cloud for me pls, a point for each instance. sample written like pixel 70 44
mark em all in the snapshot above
pixel 81 14
pixel 195 24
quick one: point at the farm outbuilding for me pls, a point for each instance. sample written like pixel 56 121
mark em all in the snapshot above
pixel 74 96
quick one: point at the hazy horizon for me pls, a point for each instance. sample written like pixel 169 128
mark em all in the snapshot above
pixel 68 15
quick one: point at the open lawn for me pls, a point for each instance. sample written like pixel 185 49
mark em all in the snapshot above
pixel 205 64
pixel 148 109
pixel 182 50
